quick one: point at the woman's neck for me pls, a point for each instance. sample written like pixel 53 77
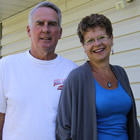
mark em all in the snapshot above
pixel 102 68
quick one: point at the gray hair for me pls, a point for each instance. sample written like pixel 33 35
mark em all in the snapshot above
pixel 45 4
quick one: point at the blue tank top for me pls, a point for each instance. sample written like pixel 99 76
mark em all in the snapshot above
pixel 112 107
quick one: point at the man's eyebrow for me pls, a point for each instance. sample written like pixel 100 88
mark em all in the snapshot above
pixel 38 21
pixel 53 22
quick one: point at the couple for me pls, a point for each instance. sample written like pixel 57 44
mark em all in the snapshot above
pixel 96 101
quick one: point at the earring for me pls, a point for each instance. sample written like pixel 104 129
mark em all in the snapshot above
pixel 112 51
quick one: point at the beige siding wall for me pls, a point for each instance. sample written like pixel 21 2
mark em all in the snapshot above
pixel 126 25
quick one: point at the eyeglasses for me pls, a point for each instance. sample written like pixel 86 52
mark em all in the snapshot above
pixel 92 41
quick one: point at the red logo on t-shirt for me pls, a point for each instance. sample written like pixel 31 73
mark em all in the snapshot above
pixel 59 82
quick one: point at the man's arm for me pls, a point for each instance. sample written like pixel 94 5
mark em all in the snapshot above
pixel 2 117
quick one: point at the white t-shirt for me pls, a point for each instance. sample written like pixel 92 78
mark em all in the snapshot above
pixel 29 95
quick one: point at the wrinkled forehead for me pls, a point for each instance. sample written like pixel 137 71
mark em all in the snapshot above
pixel 46 13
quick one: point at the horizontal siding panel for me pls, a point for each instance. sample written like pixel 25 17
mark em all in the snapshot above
pixel 34 1
pixel 139 120
pixel 24 3
pixel 80 62
pixel 132 10
pixel 12 7
pixel 136 90
pixel 138 107
pixel 86 9
pixel 121 28
pixel 68 43
pixel 75 54
pixel 16 52
pixel 6 13
pixel 15 23
pixel 14 47
pixel 74 3
pixel 14 27
pixel 70 29
pixel 133 74
pixel 126 59
pixel 13 37
pixel 127 42
pixel 61 5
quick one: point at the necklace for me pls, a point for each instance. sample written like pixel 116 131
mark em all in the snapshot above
pixel 109 84
pixel 101 77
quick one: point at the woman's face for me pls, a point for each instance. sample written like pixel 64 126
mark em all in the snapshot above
pixel 97 45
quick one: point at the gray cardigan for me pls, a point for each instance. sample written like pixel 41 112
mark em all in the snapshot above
pixel 76 118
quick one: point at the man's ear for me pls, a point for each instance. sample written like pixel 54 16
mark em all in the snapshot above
pixel 60 33
pixel 28 30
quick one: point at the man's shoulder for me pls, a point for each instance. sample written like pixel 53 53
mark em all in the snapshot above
pixel 11 58
pixel 67 61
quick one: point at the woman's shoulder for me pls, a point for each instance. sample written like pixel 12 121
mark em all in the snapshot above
pixel 119 71
pixel 79 74
pixel 117 68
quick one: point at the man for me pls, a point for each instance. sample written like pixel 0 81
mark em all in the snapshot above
pixel 31 82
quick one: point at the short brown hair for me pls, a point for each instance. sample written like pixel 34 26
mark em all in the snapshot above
pixel 92 21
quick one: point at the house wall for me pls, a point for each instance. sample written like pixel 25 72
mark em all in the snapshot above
pixel 126 25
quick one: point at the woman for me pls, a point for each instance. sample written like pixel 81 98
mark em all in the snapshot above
pixel 97 102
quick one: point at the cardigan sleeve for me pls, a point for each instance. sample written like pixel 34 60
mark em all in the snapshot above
pixel 63 120
pixel 138 130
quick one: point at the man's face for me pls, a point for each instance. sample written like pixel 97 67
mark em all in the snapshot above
pixel 44 32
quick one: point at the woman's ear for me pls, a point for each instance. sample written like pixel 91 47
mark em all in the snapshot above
pixel 112 40
pixel 83 45
pixel 84 49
